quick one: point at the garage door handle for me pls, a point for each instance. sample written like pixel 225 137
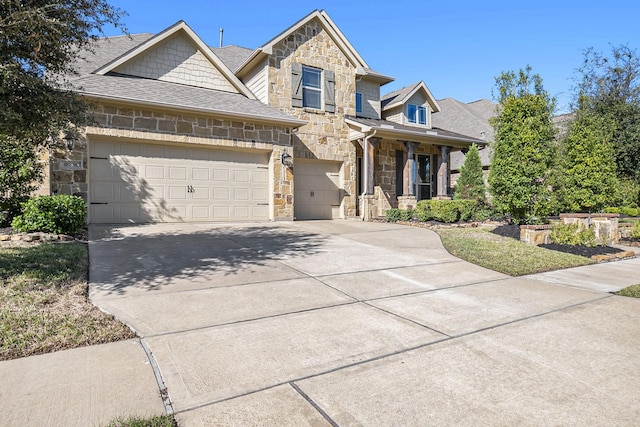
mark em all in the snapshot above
pixel 312 194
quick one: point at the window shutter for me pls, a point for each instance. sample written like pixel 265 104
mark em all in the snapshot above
pixel 296 84
pixel 329 91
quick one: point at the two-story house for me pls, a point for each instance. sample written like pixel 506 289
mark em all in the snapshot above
pixel 295 129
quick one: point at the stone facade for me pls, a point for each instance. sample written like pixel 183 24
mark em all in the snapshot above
pixel 158 126
pixel 326 135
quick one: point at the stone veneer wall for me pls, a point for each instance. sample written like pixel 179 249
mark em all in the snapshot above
pixel 325 136
pixel 385 166
pixel 146 125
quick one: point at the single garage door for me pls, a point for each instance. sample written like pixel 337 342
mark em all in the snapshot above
pixel 316 189
pixel 137 183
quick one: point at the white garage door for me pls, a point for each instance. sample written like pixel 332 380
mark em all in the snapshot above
pixel 316 189
pixel 137 183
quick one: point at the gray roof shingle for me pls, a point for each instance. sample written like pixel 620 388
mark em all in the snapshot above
pixel 172 95
pixel 165 94
pixel 232 56
pixel 470 119
pixel 397 95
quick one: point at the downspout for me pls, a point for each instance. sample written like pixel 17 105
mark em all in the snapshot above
pixel 365 183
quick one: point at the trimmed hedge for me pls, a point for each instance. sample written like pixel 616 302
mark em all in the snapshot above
pixel 59 214
pixel 452 210
pixel 572 234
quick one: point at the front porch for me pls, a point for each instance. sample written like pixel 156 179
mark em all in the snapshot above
pixel 400 165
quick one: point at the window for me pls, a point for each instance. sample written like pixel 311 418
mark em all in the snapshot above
pixel 411 113
pixel 358 102
pixel 416 114
pixel 422 115
pixel 311 88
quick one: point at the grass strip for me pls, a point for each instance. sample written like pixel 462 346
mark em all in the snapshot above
pixel 503 254
pixel 44 304
pixel 632 291
pixel 157 421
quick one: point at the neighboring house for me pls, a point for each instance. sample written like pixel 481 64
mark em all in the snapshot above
pixel 295 129
pixel 469 119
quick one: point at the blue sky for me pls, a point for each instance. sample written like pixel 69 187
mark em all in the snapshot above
pixel 456 46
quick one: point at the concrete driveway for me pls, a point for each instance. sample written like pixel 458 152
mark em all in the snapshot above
pixel 351 323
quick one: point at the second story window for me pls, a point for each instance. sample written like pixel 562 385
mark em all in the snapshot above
pixel 311 87
pixel 416 114
pixel 358 102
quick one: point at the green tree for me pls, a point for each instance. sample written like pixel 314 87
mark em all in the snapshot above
pixel 40 43
pixel 523 150
pixel 612 84
pixel 470 183
pixel 20 174
pixel 587 179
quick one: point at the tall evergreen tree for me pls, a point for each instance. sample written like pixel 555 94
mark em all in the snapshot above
pixel 470 183
pixel 523 150
pixel 612 84
pixel 587 180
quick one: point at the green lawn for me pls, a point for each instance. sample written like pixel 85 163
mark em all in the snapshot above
pixel 631 291
pixel 160 421
pixel 44 305
pixel 506 255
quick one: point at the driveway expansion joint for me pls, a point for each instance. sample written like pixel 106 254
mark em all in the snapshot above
pixel 314 404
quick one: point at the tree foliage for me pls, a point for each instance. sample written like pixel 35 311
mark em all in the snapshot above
pixel 612 85
pixel 523 150
pixel 20 175
pixel 470 183
pixel 587 180
pixel 40 41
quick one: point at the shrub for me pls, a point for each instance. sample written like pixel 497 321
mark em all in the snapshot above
pixel 445 210
pixel 60 214
pixel 423 211
pixel 466 209
pixel 635 230
pixel 572 234
pixel 395 215
pixel 625 210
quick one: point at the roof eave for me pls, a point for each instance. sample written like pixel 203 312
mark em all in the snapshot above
pixel 383 132
pixel 293 123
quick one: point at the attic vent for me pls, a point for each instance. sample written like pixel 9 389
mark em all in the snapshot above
pixel 387 126
pixel 430 132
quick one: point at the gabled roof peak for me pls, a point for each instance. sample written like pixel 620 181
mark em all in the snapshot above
pixel 179 27
pixel 402 95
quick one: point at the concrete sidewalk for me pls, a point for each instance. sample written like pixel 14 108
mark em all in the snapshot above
pixel 340 323
pixel 88 386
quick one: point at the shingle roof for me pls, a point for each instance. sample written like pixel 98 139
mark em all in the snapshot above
pixel 232 56
pixel 172 95
pixel 397 95
pixel 470 119
pixel 106 50
pixel 393 127
pixel 164 94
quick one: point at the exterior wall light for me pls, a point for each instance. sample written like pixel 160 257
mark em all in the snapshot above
pixel 286 159
pixel 69 141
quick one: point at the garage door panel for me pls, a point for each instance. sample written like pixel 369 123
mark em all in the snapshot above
pixel 154 172
pixel 177 173
pixel 153 183
pixel 317 189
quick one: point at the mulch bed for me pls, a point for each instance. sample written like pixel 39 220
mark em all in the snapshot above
pixel 513 231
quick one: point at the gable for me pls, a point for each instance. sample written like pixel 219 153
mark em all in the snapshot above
pixel 177 60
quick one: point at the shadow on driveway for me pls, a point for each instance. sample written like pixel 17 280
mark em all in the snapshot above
pixel 154 256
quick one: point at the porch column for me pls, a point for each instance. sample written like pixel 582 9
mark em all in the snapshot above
pixel 368 145
pixel 409 185
pixel 443 173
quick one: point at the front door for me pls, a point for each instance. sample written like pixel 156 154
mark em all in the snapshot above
pixel 423 177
